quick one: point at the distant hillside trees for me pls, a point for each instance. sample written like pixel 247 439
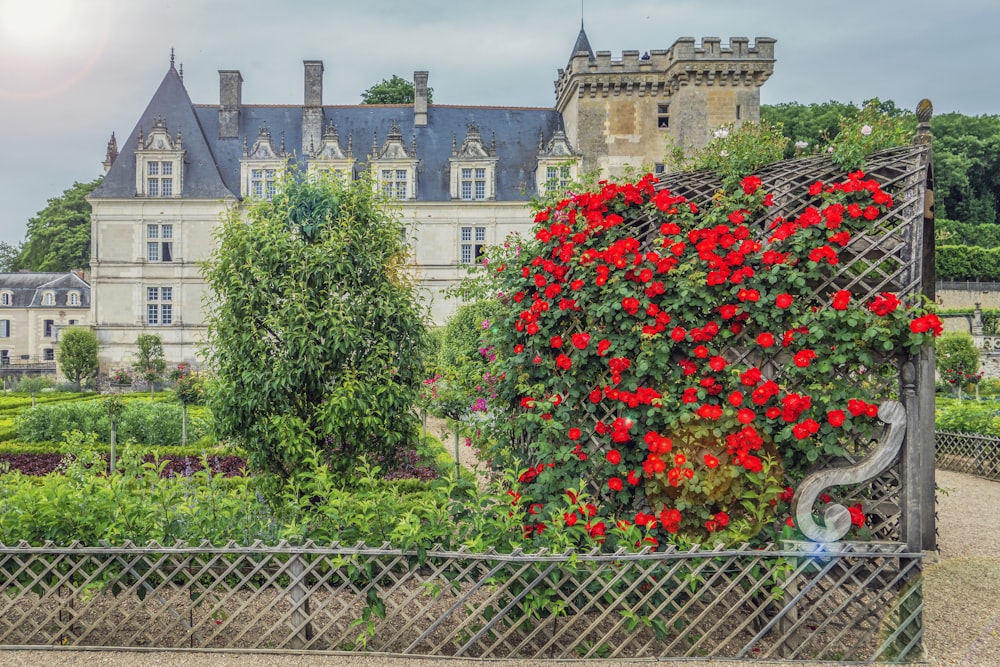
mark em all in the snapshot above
pixel 58 237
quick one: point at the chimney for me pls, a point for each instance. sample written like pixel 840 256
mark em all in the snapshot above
pixel 312 109
pixel 230 99
pixel 420 99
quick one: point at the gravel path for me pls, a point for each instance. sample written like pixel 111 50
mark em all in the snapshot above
pixel 962 615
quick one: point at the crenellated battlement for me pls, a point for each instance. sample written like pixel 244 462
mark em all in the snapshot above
pixel 661 71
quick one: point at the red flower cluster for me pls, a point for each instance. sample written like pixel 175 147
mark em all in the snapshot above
pixel 667 312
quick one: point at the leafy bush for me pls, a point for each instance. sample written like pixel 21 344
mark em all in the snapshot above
pixel 967 416
pixel 146 422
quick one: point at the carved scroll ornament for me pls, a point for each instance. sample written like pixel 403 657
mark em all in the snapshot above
pixel 837 518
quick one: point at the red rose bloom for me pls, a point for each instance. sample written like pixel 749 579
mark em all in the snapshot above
pixel 765 340
pixel 841 300
pixel 836 418
pixel 615 484
pixel 580 340
pixel 556 341
pixel 711 461
pixel 783 301
pixel 614 457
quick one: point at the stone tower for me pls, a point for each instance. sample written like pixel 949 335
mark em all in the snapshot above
pixel 625 112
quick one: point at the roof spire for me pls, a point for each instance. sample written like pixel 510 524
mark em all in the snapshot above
pixel 582 43
pixel 171 57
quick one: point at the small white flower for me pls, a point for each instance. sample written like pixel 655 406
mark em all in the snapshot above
pixel 866 130
pixel 724 153
pixel 829 149
pixel 801 144
pixel 721 133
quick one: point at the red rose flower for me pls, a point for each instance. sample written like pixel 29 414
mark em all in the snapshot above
pixel 556 341
pixel 803 358
pixel 836 418
pixel 711 461
pixel 580 340
pixel 783 301
pixel 615 484
pixel 841 300
pixel 614 457
pixel 564 362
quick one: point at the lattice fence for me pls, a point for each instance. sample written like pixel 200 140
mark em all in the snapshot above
pixel 858 601
pixel 970 453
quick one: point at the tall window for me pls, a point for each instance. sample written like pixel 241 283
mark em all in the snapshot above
pixel 159 179
pixel 159 305
pixel 473 184
pixel 48 299
pixel 394 183
pixel 74 298
pixel 48 328
pixel 160 243
pixel 5 298
pixel 473 243
pixel 262 184
pixel 4 328
pixel 558 177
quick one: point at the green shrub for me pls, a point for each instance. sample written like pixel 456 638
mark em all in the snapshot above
pixel 143 421
pixel 967 417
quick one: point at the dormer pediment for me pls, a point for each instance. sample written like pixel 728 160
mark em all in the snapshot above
pixel 558 146
pixel 330 148
pixel 159 138
pixel 472 146
pixel 394 148
pixel 263 147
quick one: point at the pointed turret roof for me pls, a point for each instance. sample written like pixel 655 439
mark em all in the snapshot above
pixel 170 103
pixel 582 44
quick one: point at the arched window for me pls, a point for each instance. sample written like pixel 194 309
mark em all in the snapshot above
pixel 5 298
pixel 74 298
pixel 48 299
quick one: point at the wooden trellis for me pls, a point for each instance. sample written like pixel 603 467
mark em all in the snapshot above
pixel 839 601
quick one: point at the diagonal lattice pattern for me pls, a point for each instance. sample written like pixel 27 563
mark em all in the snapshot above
pixel 858 601
pixel 969 453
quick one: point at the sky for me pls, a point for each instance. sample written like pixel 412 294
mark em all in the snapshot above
pixel 71 72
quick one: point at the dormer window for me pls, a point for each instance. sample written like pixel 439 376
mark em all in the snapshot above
pixel 557 164
pixel 6 298
pixel 473 168
pixel 262 166
pixel 73 299
pixel 48 299
pixel 159 163
pixel 395 167
pixel 331 158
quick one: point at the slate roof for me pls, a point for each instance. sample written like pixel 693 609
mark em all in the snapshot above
pixel 212 165
pixel 27 289
pixel 582 44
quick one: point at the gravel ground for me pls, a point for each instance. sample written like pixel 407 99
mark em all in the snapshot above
pixel 962 599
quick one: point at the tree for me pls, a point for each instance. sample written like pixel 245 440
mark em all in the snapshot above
pixel 315 335
pixel 149 362
pixel 396 90
pixel 957 360
pixel 8 257
pixel 58 237
pixel 78 354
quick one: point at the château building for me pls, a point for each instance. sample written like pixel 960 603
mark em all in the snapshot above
pixel 462 175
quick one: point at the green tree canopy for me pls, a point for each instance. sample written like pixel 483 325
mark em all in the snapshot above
pixel 315 335
pixel 58 237
pixel 78 354
pixel 396 90
pixel 149 362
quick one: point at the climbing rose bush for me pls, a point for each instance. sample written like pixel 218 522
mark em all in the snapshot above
pixel 669 367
